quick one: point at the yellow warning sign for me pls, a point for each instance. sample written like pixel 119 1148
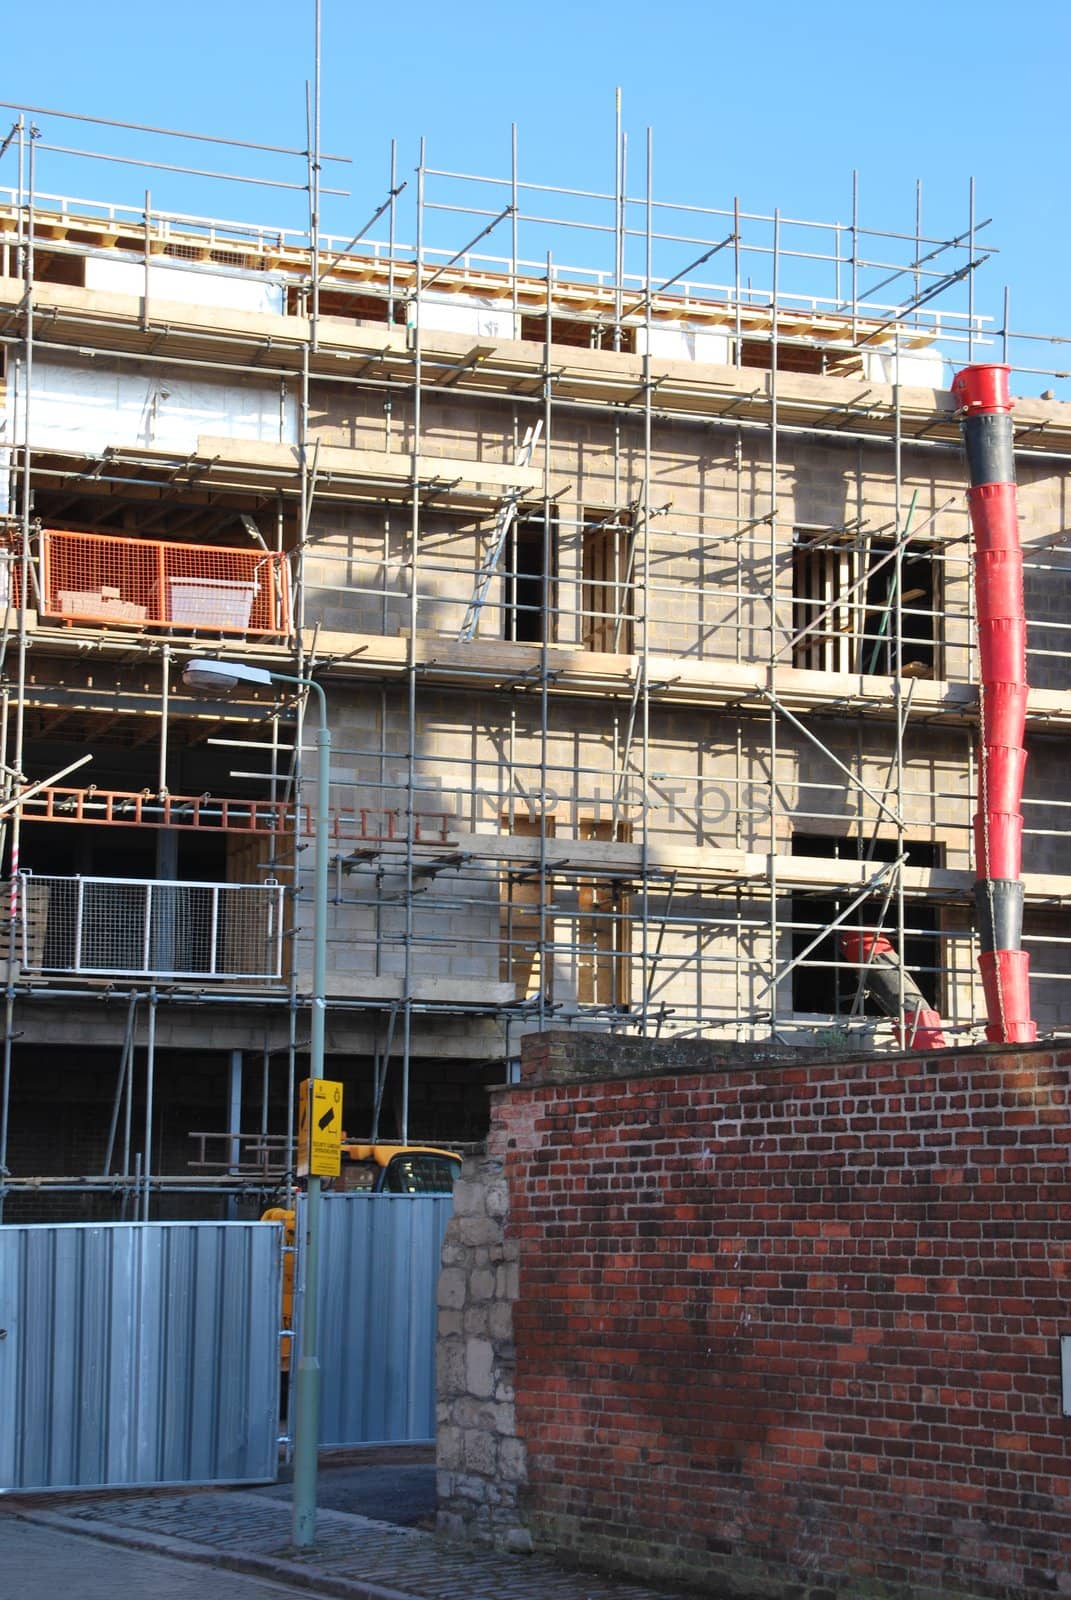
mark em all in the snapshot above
pixel 319 1128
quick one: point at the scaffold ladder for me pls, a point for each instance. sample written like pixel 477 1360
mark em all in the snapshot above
pixel 507 514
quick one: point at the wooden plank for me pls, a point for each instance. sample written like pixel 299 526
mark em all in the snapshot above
pixel 94 317
pixel 673 680
pixel 714 867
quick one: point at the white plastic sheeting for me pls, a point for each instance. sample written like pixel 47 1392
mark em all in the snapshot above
pixel 919 369
pixel 192 285
pixel 683 341
pixel 89 408
pixel 475 314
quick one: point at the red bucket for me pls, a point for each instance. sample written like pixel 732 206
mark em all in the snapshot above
pixel 856 947
pixel 1003 713
pixel 994 511
pixel 922 1031
pixel 1012 1033
pixel 1002 648
pixel 999 585
pixel 1006 981
pixel 982 388
pixel 1004 858
pixel 1000 781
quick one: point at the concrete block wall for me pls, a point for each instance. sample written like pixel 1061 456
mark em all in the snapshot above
pixel 780 1327
pixel 479 756
pixel 704 484
pixel 709 786
pixel 1045 518
pixel 354 573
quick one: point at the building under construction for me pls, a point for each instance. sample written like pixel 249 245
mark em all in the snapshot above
pixel 630 541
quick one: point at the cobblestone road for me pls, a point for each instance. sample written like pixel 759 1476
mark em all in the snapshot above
pixel 354 1555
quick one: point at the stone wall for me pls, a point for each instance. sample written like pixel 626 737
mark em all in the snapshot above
pixel 480 1457
pixel 781 1328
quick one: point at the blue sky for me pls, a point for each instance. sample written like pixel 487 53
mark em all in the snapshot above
pixel 775 104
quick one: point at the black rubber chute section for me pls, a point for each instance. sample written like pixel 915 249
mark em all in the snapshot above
pixel 998 909
pixel 882 981
pixel 990 447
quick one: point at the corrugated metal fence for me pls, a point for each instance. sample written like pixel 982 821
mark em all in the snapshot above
pixel 138 1353
pixel 380 1266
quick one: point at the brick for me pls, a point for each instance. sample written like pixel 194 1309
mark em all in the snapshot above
pixel 787 1325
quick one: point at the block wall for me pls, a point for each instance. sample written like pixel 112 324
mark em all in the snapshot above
pixel 710 566
pixel 780 1328
pixel 709 786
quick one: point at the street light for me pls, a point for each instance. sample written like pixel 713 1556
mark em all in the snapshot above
pixel 225 676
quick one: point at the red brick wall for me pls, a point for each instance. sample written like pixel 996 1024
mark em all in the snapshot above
pixel 799 1324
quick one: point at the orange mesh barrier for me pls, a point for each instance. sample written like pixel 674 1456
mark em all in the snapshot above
pixel 93 577
pixel 10 572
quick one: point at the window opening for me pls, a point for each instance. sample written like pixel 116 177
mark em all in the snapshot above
pixel 531 565
pixel 821 572
pixel 608 591
pixel 58 267
pixel 846 594
pixel 523 904
pixel 604 928
pixel 919 610
pixel 790 357
pixel 824 983
pixel 577 333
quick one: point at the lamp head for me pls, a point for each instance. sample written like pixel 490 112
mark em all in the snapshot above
pixel 223 676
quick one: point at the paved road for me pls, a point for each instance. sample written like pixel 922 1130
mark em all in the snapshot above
pixel 403 1494
pixel 39 1563
pixel 355 1557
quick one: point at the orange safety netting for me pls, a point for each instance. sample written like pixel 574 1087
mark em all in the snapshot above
pixel 10 573
pixel 92 577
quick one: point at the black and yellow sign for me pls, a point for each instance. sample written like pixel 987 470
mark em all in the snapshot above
pixel 319 1128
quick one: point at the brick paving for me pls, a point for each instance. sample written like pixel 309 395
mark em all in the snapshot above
pixel 354 1555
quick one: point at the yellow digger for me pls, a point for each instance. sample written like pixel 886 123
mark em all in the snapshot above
pixel 375 1169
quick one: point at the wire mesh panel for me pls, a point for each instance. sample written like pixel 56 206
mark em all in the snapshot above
pixel 92 577
pixel 144 928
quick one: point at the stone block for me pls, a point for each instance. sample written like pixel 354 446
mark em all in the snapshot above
pixel 452 1289
pixel 512 1461
pixel 500 1320
pixel 481 1284
pixel 479 1367
pixel 507 1281
pixel 479 1452
pixel 450 1367
pixel 469 1198
pixel 477 1320
pixel 477 1230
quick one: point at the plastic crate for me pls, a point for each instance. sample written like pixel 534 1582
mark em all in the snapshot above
pixel 211 602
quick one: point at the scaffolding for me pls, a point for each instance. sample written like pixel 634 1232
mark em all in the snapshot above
pixel 635 707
